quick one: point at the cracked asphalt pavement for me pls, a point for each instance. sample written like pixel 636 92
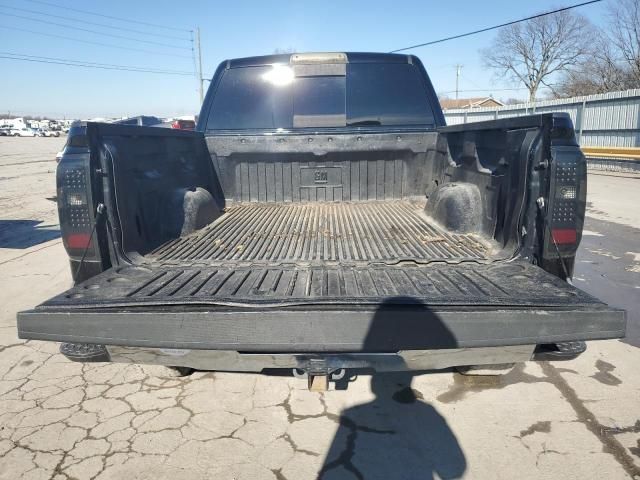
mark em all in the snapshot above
pixel 63 420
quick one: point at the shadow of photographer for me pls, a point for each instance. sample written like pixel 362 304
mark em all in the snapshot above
pixel 396 435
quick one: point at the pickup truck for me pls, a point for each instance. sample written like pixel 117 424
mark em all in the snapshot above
pixel 22 132
pixel 323 217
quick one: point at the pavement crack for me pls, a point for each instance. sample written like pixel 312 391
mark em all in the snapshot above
pixel 13 345
pixel 232 434
pixel 636 450
pixel 609 443
pixel 345 459
pixel 286 404
pixel 287 438
pixel 279 475
pixel 546 451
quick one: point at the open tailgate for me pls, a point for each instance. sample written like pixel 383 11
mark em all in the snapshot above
pixel 322 309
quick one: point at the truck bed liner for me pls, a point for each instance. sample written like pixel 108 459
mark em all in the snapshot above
pixel 499 285
pixel 317 233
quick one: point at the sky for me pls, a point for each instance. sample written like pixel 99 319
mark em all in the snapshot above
pixel 228 30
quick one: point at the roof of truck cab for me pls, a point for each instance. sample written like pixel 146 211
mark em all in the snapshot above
pixel 352 57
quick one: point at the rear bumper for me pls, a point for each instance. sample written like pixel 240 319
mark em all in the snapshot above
pixel 231 361
pixel 322 331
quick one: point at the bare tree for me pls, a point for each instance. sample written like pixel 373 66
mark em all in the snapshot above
pixel 533 52
pixel 625 33
pixel 600 72
pixel 614 63
pixel 512 101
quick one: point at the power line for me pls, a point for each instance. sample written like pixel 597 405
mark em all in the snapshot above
pixel 113 35
pixel 161 70
pixel 34 32
pixel 490 90
pixel 464 77
pixel 87 22
pixel 84 64
pixel 108 16
pixel 87 66
pixel 433 42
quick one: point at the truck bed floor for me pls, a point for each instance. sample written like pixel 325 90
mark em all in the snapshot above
pixel 318 233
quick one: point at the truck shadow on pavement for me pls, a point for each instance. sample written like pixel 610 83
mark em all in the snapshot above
pixel 22 234
pixel 396 435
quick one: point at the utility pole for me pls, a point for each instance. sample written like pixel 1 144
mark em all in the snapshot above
pixel 200 78
pixel 458 68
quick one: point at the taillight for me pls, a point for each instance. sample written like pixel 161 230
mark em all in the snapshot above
pixel 78 241
pixel 74 207
pixel 564 236
pixel 565 207
pixel 77 208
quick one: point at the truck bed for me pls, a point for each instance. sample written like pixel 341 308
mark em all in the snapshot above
pixel 387 232
pixel 365 253
pixel 313 244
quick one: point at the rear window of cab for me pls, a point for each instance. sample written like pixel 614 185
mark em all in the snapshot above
pixel 273 97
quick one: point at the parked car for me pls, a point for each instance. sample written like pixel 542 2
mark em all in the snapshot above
pixel 5 131
pixel 22 132
pixel 323 217
pixel 50 133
